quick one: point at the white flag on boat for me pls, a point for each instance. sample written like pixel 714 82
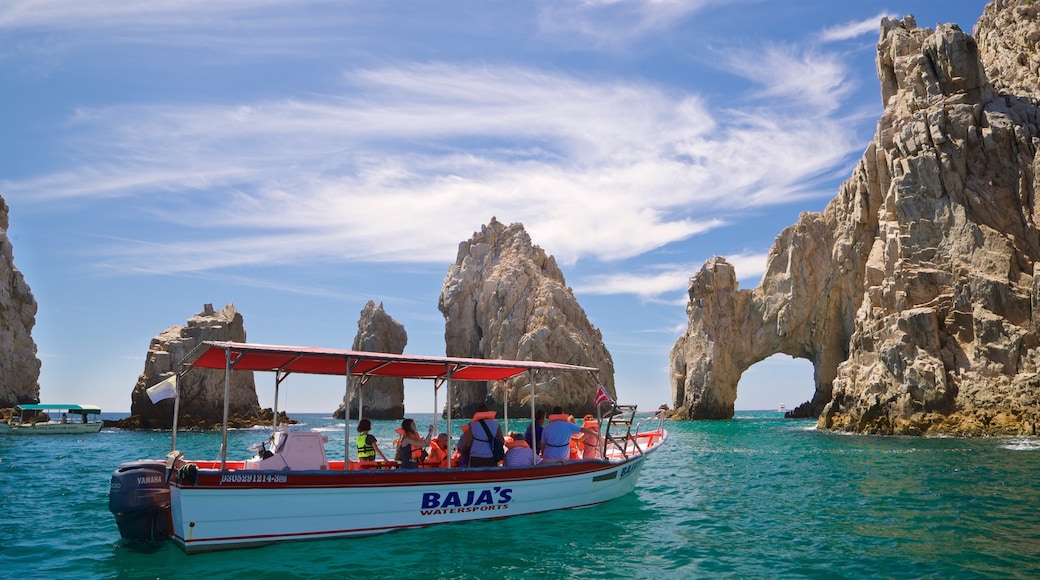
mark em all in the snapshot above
pixel 167 389
pixel 602 396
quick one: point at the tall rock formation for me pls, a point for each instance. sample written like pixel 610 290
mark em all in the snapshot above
pixel 383 396
pixel 19 367
pixel 201 390
pixel 505 298
pixel 916 292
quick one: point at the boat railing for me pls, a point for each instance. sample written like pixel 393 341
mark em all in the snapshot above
pixel 657 420
pixel 625 436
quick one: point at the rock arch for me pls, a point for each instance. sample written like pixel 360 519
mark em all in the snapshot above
pixel 916 292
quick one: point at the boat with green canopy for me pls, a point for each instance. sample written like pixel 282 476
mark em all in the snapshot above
pixel 52 419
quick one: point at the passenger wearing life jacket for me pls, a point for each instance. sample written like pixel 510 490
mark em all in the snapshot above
pixel 366 443
pixel 519 453
pixel 575 442
pixel 460 458
pixel 410 445
pixel 556 437
pixel 438 457
pixel 591 444
pixel 536 427
pixel 484 432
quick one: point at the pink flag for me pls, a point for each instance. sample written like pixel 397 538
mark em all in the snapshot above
pixel 602 396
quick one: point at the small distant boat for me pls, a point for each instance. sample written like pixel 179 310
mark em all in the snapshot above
pixel 783 408
pixel 291 490
pixel 63 419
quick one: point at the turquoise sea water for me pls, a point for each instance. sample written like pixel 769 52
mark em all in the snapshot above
pixel 754 497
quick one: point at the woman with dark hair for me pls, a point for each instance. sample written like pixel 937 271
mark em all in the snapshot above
pixel 409 442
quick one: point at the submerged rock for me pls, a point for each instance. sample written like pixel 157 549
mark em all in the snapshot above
pixel 505 298
pixel 916 292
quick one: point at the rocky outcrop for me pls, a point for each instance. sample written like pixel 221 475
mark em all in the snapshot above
pixel 201 390
pixel 19 367
pixel 916 292
pixel 1008 40
pixel 505 298
pixel 383 396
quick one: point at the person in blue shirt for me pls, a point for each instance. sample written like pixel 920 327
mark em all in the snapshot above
pixel 556 437
pixel 484 433
pixel 538 425
pixel 519 453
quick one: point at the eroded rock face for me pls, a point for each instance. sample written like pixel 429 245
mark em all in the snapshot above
pixel 19 367
pixel 1008 37
pixel 202 390
pixel 505 298
pixel 383 396
pixel 916 292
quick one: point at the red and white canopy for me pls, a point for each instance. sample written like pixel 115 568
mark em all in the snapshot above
pixel 328 361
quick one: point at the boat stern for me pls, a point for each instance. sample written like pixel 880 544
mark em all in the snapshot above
pixel 139 498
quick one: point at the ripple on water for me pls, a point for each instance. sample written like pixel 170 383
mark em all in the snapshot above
pixel 751 498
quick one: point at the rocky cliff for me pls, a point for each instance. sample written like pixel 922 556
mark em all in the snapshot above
pixel 916 292
pixel 201 390
pixel 505 298
pixel 383 396
pixel 19 367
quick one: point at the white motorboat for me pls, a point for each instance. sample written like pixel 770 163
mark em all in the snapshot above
pixel 291 490
pixel 33 419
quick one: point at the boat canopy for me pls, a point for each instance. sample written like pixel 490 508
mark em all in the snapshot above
pixel 80 409
pixel 326 361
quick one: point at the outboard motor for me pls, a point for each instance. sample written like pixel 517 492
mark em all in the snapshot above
pixel 139 497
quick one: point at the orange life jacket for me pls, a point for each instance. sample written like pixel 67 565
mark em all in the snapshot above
pixel 416 451
pixel 437 456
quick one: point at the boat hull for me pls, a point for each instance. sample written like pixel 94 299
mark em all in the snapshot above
pixel 50 428
pixel 241 508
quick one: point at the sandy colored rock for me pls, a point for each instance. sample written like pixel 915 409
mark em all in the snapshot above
pixel 505 298
pixel 201 390
pixel 383 396
pixel 916 292
pixel 19 366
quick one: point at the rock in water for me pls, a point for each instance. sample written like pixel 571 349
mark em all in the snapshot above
pixel 383 396
pixel 505 298
pixel 19 367
pixel 916 292
pixel 201 390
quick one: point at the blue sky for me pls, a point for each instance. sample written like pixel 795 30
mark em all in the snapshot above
pixel 299 158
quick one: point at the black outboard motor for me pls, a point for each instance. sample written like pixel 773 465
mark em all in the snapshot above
pixel 139 497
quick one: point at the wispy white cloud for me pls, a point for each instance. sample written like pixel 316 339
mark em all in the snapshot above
pixel 854 29
pixel 402 161
pixel 409 160
pixel 667 279
pixel 796 75
pixel 67 14
pixel 614 23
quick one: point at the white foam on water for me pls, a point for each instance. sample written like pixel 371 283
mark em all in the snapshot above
pixel 1022 444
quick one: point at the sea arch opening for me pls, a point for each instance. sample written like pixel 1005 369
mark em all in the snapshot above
pixel 774 381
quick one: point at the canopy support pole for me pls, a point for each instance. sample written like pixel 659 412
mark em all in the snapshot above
pixel 227 403
pixel 176 407
pixel 277 384
pixel 505 407
pixel 447 379
pixel 346 414
pixel 534 427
